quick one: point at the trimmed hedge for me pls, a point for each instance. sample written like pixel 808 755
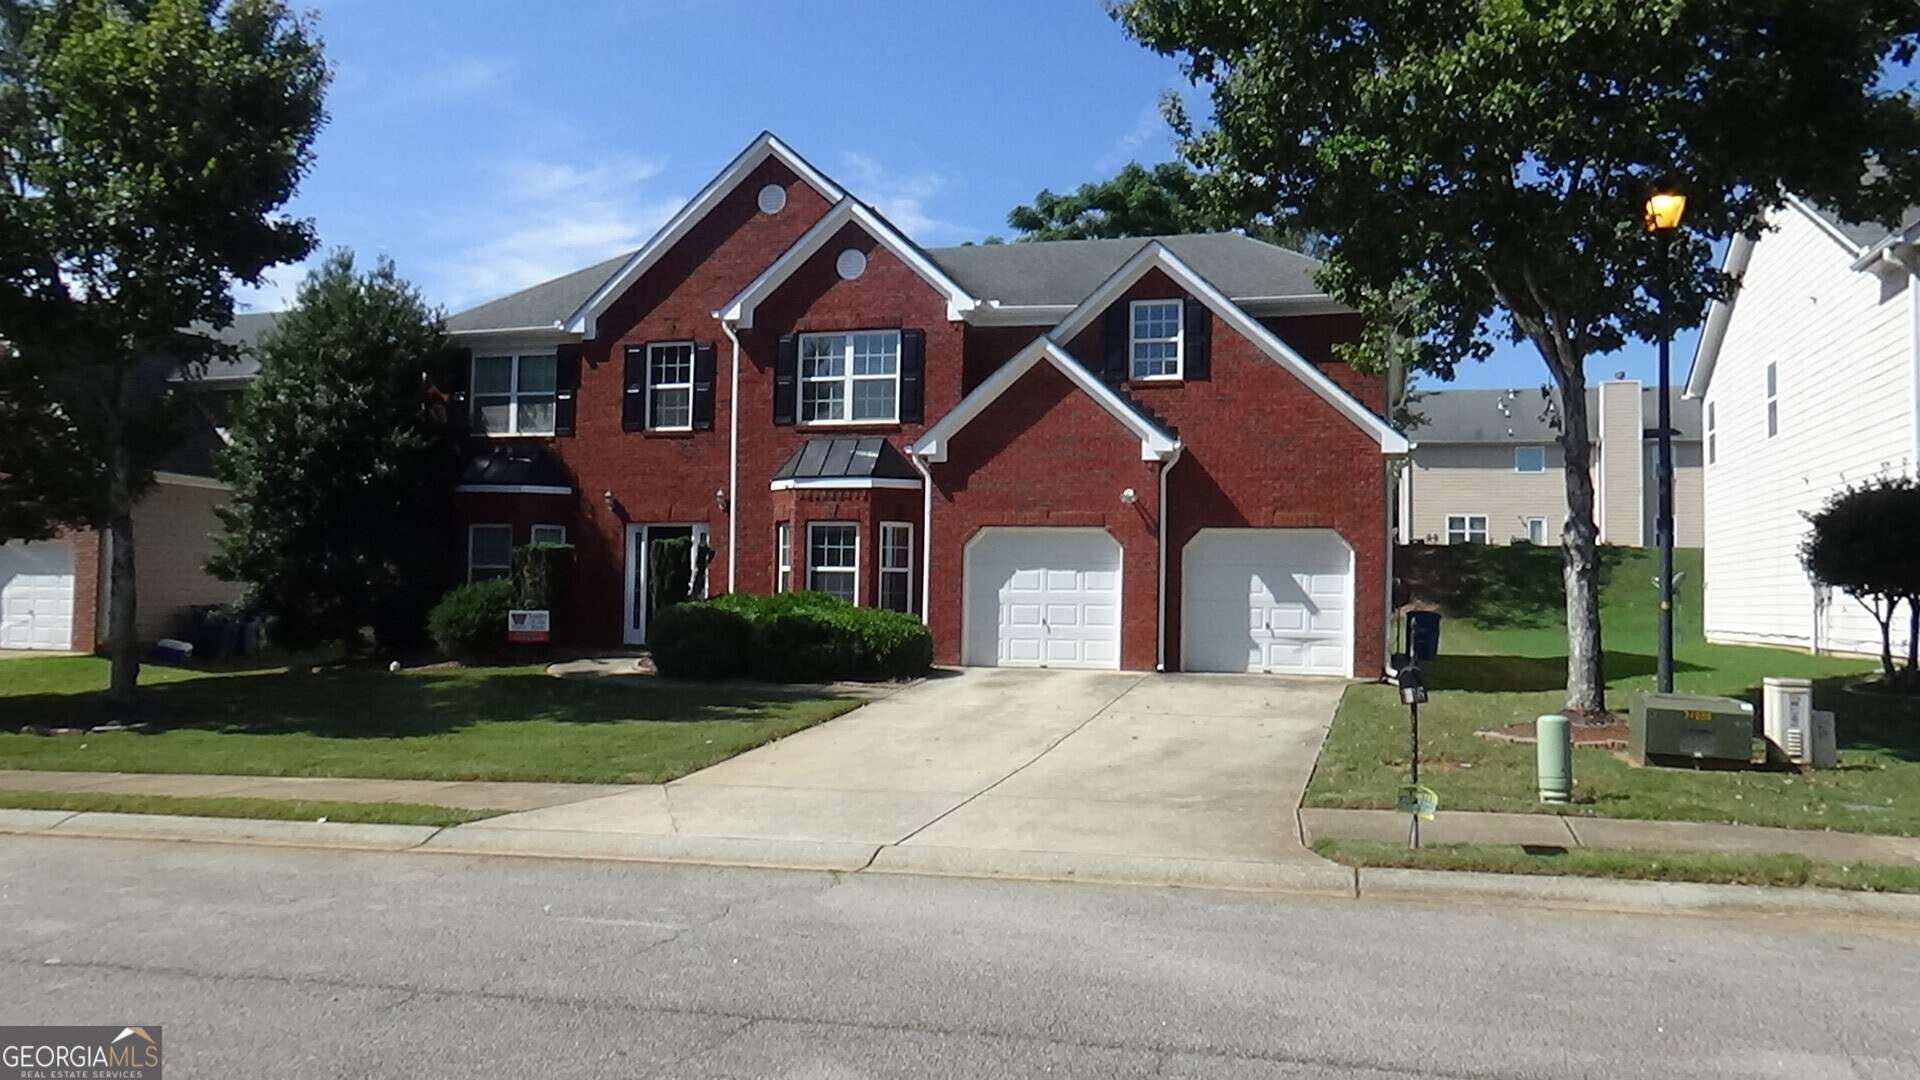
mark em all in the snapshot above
pixel 792 637
pixel 470 622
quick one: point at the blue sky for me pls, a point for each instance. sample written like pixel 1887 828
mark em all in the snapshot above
pixel 486 145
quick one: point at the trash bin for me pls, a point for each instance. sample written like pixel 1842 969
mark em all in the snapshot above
pixel 1423 635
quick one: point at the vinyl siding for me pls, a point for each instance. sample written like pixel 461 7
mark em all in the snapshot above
pixel 1841 341
pixel 173 530
pixel 1689 524
pixel 1468 478
pixel 1620 432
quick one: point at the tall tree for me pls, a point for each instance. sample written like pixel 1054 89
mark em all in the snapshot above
pixel 339 470
pixel 1166 200
pixel 148 147
pixel 1494 156
pixel 1862 543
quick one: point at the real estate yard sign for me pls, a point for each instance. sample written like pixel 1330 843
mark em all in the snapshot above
pixel 528 626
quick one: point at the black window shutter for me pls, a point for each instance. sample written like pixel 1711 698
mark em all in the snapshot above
pixel 566 374
pixel 703 365
pixel 1119 332
pixel 1196 359
pixel 633 395
pixel 457 381
pixel 913 376
pixel 786 386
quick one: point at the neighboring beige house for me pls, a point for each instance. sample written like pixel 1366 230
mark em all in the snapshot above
pixel 1810 379
pixel 1486 467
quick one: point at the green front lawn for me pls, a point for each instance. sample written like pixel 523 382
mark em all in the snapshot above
pixel 433 724
pixel 1509 665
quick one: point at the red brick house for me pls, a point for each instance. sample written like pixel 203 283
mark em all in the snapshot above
pixel 1128 454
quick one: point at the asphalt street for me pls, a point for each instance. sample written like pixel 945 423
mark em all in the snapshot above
pixel 287 963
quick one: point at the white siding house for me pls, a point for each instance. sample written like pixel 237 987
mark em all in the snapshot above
pixel 1810 381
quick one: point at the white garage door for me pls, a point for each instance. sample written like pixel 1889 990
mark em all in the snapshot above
pixel 1269 600
pixel 1043 597
pixel 36 596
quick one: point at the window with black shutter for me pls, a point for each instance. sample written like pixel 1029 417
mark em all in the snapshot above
pixel 1196 361
pixel 703 367
pixel 456 380
pixel 566 387
pixel 913 371
pixel 786 368
pixel 633 396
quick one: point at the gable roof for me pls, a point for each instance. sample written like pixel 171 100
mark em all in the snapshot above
pixel 739 310
pixel 1060 273
pixel 1522 417
pixel 1157 256
pixel 545 306
pixel 697 208
pixel 1156 444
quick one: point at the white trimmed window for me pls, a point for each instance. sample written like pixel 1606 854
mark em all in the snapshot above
pixel 1155 339
pixel 1529 459
pixel 1536 530
pixel 833 559
pixel 1773 401
pixel 783 557
pixel 548 534
pixel 670 386
pixel 896 565
pixel 1466 528
pixel 514 395
pixel 850 378
pixel 489 551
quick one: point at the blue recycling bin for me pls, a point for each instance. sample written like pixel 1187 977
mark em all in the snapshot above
pixel 1423 635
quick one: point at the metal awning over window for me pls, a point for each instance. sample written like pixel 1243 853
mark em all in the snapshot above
pixel 846 463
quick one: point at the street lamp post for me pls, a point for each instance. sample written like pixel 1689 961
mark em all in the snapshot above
pixel 1664 210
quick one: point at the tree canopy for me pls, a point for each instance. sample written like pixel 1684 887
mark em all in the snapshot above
pixel 1490 161
pixel 339 470
pixel 1866 542
pixel 1136 201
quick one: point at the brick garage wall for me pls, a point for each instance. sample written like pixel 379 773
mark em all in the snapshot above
pixel 1045 454
pixel 87 574
pixel 1264 451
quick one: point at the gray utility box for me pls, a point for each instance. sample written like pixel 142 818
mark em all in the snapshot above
pixel 1689 727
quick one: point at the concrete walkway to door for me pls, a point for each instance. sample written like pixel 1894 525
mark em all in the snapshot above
pixel 1100 775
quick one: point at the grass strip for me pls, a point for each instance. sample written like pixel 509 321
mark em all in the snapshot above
pixel 1720 868
pixel 227 807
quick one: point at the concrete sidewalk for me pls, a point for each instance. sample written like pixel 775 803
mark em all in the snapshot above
pixel 1567 830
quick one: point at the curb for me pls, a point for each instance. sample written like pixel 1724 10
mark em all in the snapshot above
pixel 662 848
pixel 352 836
pixel 1634 897
pixel 1319 878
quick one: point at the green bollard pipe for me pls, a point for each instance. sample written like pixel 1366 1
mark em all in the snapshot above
pixel 1553 744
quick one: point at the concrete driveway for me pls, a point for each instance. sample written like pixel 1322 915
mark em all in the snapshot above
pixel 989 770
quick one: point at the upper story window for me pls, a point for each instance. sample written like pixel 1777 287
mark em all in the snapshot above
pixel 1155 339
pixel 850 378
pixel 670 386
pixel 1773 401
pixel 1529 459
pixel 515 395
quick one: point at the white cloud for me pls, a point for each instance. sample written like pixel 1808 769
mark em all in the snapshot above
pixel 902 198
pixel 455 77
pixel 540 220
pixel 1148 127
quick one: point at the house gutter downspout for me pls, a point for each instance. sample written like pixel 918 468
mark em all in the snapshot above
pixel 1165 468
pixel 926 538
pixel 733 462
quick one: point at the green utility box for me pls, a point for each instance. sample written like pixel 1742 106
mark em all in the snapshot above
pixel 1689 728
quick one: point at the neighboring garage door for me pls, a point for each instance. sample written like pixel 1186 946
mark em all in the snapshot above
pixel 36 596
pixel 1042 597
pixel 1268 600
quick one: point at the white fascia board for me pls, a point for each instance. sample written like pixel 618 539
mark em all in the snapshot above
pixel 1154 255
pixel 189 480
pixel 1155 444
pixel 844 483
pixel 583 321
pixel 848 211
pixel 513 489
pixel 1706 352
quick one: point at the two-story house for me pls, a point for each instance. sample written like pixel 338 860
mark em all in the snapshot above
pixel 1810 382
pixel 1486 467
pixel 1110 454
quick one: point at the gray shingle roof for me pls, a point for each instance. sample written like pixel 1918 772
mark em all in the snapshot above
pixel 1521 416
pixel 544 304
pixel 247 330
pixel 1068 271
pixel 847 458
pixel 1866 234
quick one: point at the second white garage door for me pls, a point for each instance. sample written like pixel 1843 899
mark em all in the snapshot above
pixel 1042 597
pixel 1268 600
pixel 36 595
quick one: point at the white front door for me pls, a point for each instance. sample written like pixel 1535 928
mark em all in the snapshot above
pixel 1268 600
pixel 639 545
pixel 36 595
pixel 1042 597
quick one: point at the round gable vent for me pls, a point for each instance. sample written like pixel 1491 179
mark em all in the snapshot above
pixel 851 264
pixel 773 199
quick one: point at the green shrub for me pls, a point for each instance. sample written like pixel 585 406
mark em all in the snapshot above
pixel 699 641
pixel 814 637
pixel 470 622
pixel 541 574
pixel 800 647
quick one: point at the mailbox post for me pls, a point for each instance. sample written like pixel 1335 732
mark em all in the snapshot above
pixel 1413 693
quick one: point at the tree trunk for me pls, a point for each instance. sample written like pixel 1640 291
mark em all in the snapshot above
pixel 1913 638
pixel 123 642
pixel 1580 546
